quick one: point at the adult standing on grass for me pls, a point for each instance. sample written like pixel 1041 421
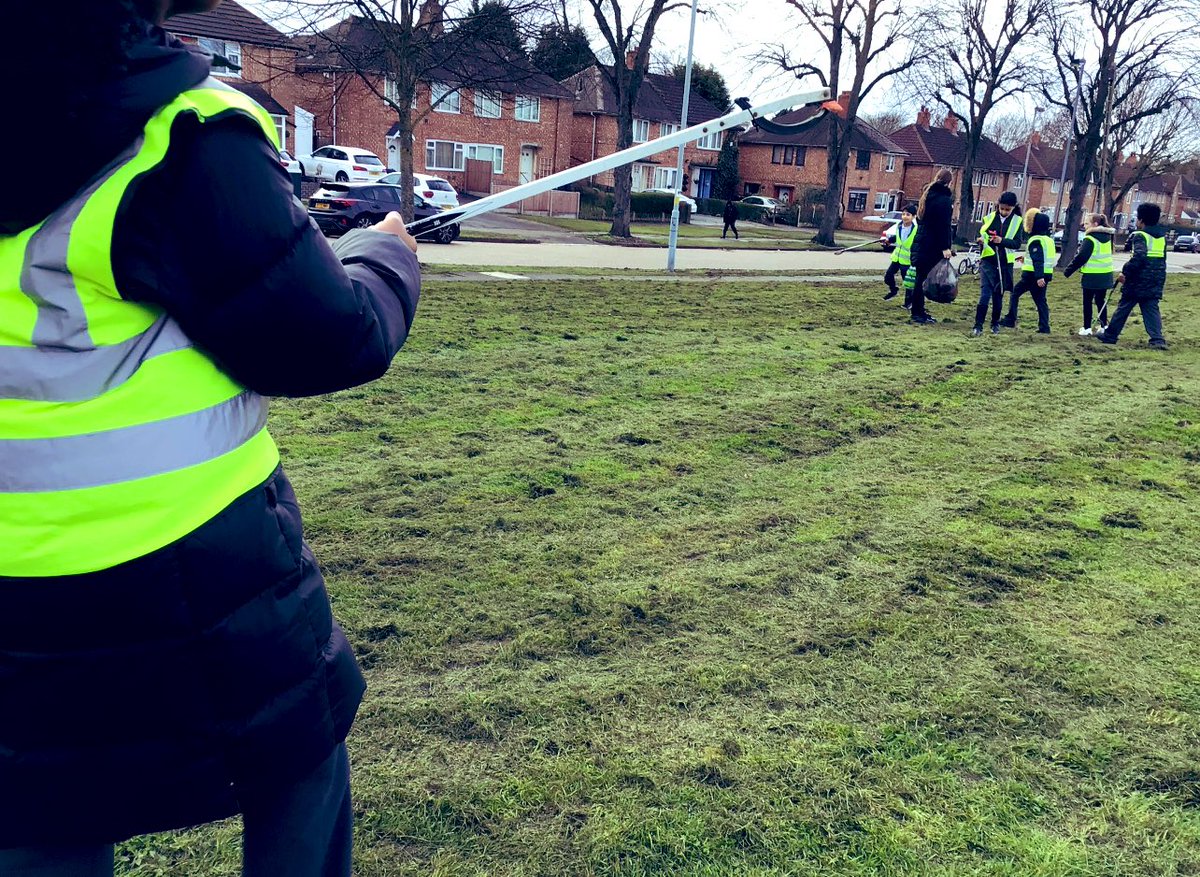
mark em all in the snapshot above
pixel 935 212
pixel 167 652
pixel 731 217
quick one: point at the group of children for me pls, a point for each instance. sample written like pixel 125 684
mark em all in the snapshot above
pixel 1141 279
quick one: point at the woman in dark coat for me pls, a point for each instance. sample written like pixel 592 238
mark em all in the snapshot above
pixel 206 677
pixel 934 236
pixel 730 216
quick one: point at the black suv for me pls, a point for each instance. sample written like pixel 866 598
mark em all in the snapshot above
pixel 339 207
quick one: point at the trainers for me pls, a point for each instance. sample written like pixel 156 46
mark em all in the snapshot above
pixel 1085 331
pixel 995 328
pixel 1008 322
pixel 1043 331
pixel 977 331
pixel 922 320
pixel 892 293
pixel 1159 345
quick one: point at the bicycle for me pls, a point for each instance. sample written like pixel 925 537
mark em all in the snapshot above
pixel 969 263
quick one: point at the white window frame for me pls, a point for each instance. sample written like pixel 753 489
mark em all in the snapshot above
pixel 664 177
pixel 451 99
pixel 665 129
pixel 641 130
pixel 1018 181
pixel 488 100
pixel 866 194
pixel 1054 186
pixel 710 142
pixel 458 158
pixel 225 48
pixel 391 89
pixel 281 126
pixel 527 108
pixel 881 201
pixel 472 152
pixel 890 167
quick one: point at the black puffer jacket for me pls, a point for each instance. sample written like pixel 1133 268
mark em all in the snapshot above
pixel 1145 277
pixel 934 234
pixel 133 699
pixel 1092 281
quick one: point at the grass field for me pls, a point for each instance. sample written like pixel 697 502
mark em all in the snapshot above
pixel 671 579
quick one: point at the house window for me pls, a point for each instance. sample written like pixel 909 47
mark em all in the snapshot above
pixel 225 49
pixel 801 154
pixel 711 141
pixel 444 98
pixel 890 167
pixel 858 201
pixel 281 124
pixel 391 89
pixel 666 129
pixel 664 177
pixel 443 155
pixel 487 104
pixel 641 130
pixel 487 152
pixel 529 109
pixel 1054 186
pixel 1019 181
pixel 783 154
pixel 862 160
pixel 982 209
pixel 881 201
pixel 985 179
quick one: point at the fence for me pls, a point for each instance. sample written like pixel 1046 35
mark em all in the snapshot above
pixel 552 203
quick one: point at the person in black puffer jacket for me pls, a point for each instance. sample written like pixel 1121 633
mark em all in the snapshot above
pixel 934 235
pixel 1143 279
pixel 202 675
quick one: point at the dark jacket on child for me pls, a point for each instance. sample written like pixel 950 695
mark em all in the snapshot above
pixel 1091 281
pixel 1145 277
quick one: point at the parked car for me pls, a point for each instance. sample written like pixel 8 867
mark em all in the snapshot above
pixel 1187 243
pixel 339 207
pixel 683 199
pixel 769 205
pixel 289 163
pixel 889 218
pixel 342 164
pixel 1058 238
pixel 887 237
pixel 435 190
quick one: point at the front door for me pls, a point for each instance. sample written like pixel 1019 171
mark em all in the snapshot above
pixel 704 182
pixel 304 132
pixel 526 164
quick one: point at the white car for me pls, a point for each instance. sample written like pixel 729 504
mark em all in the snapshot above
pixel 289 164
pixel 683 199
pixel 435 190
pixel 889 218
pixel 342 164
pixel 769 205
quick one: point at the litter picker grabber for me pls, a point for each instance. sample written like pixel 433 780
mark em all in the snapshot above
pixel 1104 307
pixel 735 119
pixel 855 247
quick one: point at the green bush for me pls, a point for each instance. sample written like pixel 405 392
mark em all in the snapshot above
pixel 595 203
pixel 656 207
pixel 710 206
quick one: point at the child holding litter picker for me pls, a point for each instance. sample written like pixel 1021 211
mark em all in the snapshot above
pixel 906 232
pixel 1037 270
pixel 1142 279
pixel 999 235
pixel 1094 261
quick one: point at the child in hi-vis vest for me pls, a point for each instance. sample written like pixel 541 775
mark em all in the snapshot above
pixel 1094 261
pixel 906 232
pixel 1037 269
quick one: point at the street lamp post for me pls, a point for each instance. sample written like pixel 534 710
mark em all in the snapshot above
pixel 1077 64
pixel 1037 111
pixel 683 121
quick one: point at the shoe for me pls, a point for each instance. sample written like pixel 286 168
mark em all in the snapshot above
pixel 891 294
pixel 976 332
pixel 908 306
pixel 922 320
pixel 1103 338
pixel 1043 331
pixel 1085 331
pixel 1159 345
pixel 995 328
pixel 1008 322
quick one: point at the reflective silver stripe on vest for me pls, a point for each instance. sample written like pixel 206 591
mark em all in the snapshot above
pixel 142 451
pixel 58 374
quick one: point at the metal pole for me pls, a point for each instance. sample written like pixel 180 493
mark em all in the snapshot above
pixel 1077 63
pixel 1025 172
pixel 683 123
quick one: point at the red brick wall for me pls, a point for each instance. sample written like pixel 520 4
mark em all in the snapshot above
pixel 596 136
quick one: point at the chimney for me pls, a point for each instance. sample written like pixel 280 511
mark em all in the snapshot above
pixel 1035 139
pixel 950 123
pixel 432 17
pixel 923 117
pixel 629 58
pixel 844 100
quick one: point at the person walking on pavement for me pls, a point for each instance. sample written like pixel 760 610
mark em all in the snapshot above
pixel 999 235
pixel 1095 262
pixel 168 656
pixel 1143 278
pixel 902 254
pixel 731 217
pixel 932 242
pixel 1037 270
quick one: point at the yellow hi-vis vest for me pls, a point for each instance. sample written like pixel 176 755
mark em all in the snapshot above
pixel 117 436
pixel 1101 260
pixel 1007 230
pixel 1156 248
pixel 1049 253
pixel 902 252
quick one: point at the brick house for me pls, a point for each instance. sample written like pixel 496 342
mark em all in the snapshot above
pixel 783 166
pixel 493 109
pixel 656 114
pixel 931 147
pixel 261 59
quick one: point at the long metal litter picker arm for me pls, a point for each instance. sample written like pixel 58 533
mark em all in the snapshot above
pixel 736 119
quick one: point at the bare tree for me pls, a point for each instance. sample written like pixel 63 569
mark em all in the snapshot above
pixel 1008 130
pixel 885 121
pixel 392 46
pixel 866 42
pixel 628 34
pixel 1131 41
pixel 980 71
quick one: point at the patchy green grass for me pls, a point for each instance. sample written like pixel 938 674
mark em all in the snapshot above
pixel 659 579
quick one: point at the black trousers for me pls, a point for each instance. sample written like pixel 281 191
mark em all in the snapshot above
pixel 994 281
pixel 889 278
pixel 918 293
pixel 1028 283
pixel 730 226
pixel 1096 298
pixel 1151 318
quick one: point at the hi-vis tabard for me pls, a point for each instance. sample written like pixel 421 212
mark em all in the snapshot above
pixel 1156 248
pixel 117 436
pixel 1101 260
pixel 1007 229
pixel 902 252
pixel 1049 254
